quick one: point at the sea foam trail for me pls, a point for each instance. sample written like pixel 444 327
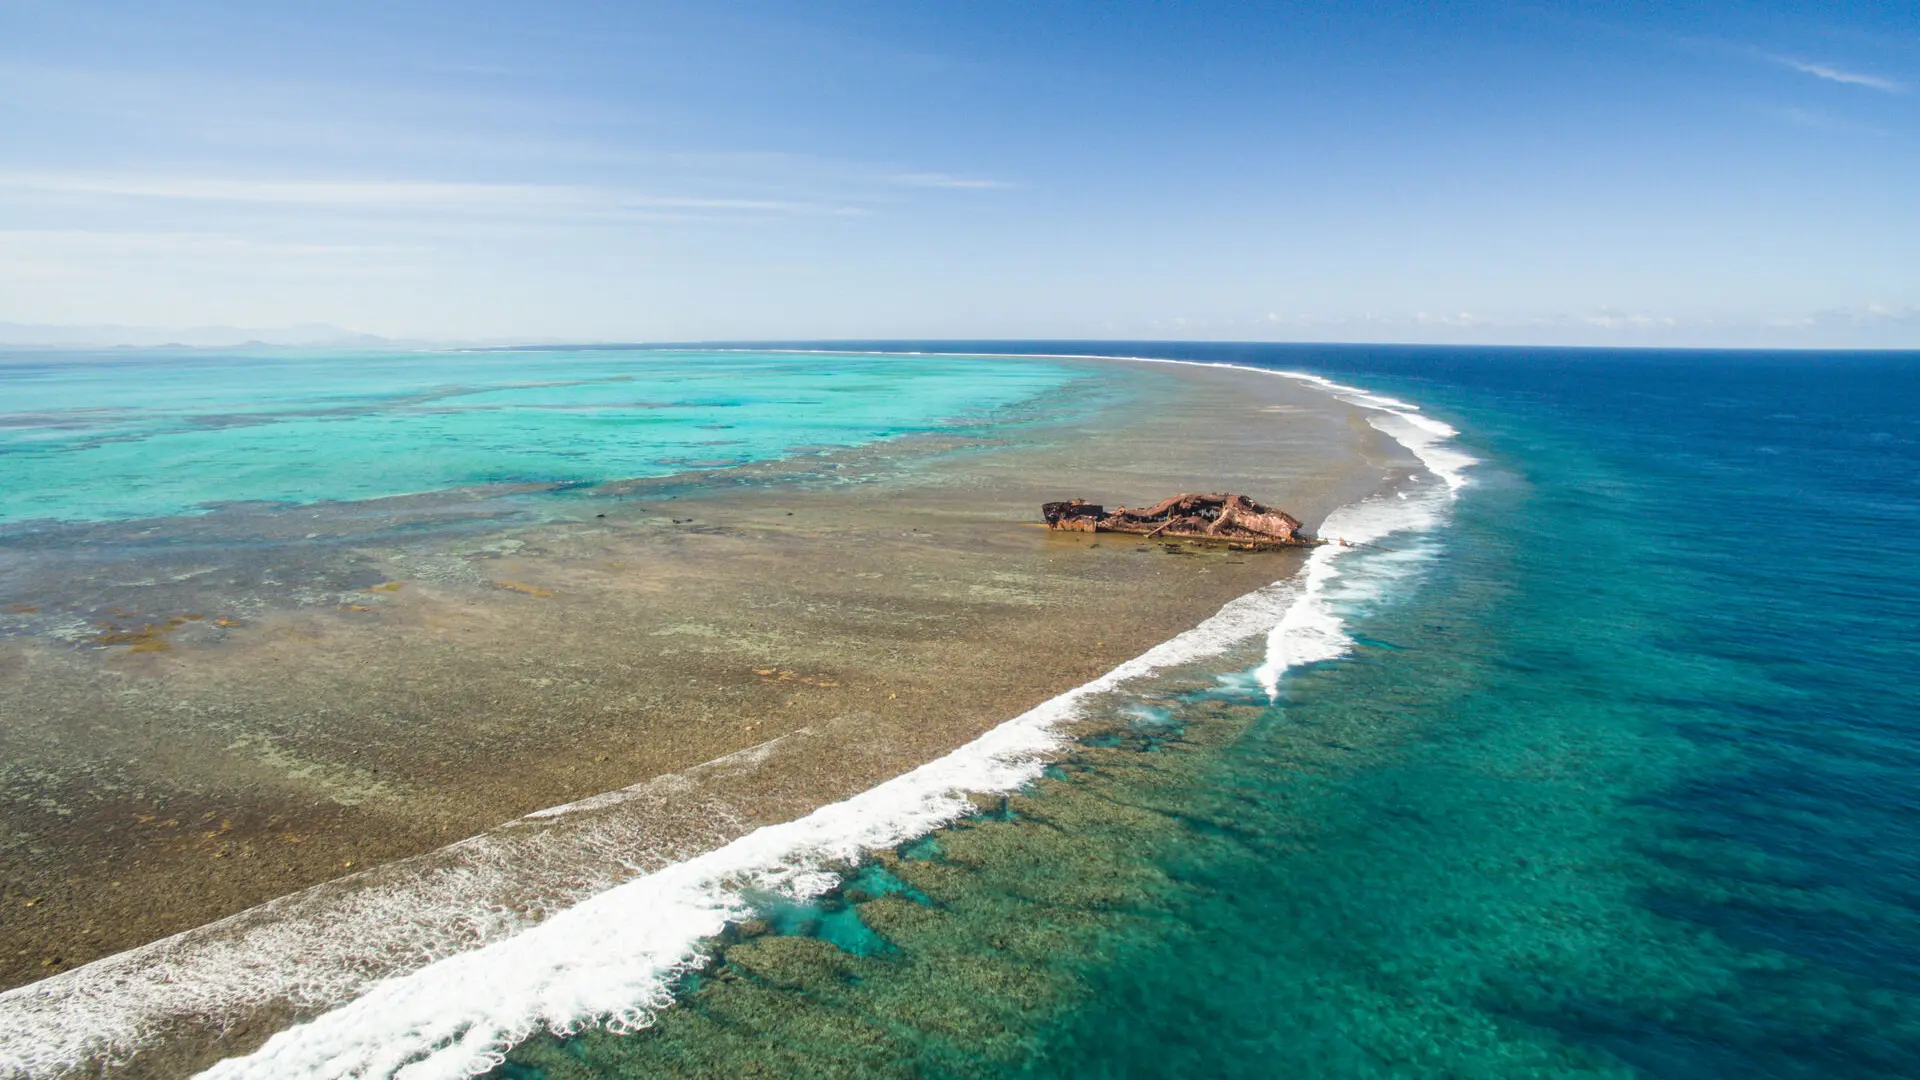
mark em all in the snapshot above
pixel 484 978
pixel 1313 628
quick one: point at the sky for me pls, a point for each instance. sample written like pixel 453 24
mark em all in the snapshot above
pixel 1620 173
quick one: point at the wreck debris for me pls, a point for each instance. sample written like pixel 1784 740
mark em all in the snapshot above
pixel 1231 519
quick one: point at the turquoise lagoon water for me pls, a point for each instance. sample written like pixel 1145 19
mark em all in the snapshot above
pixel 1618 778
pixel 87 436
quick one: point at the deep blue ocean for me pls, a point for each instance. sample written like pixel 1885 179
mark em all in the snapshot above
pixel 1623 780
pixel 1661 797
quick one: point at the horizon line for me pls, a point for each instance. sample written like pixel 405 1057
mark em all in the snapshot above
pixel 940 345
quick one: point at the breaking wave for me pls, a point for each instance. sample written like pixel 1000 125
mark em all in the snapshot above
pixel 1314 628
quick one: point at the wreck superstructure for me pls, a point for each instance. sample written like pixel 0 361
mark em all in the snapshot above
pixel 1228 518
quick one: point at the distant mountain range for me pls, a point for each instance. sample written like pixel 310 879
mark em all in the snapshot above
pixel 202 337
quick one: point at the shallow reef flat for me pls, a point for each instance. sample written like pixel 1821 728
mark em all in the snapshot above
pixel 209 712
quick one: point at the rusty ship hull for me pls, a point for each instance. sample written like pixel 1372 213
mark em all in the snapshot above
pixel 1226 518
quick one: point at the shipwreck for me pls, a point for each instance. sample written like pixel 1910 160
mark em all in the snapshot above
pixel 1233 520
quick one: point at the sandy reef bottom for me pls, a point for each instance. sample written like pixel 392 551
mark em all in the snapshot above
pixel 204 714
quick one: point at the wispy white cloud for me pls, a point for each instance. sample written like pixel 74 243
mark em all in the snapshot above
pixel 500 201
pixel 1870 325
pixel 1464 318
pixel 1868 315
pixel 170 244
pixel 1600 319
pixel 44 255
pixel 1842 75
pixel 373 193
pixel 1816 120
pixel 943 180
pixel 1611 319
pixel 522 200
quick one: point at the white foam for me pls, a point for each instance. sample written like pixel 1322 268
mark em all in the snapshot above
pixel 1315 629
pixel 482 978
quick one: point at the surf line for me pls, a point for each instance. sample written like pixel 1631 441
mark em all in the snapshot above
pixel 610 958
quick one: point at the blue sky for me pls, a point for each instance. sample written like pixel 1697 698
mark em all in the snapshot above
pixel 1626 173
